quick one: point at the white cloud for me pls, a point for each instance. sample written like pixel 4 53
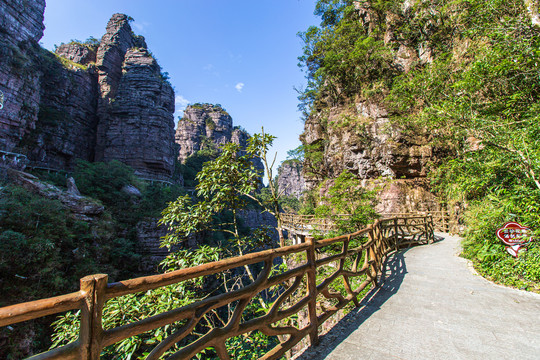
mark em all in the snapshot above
pixel 140 27
pixel 239 86
pixel 181 104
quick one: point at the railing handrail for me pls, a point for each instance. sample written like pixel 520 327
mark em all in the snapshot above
pixel 384 236
pixel 3 152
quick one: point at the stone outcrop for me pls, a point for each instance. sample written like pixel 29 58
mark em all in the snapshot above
pixel 81 207
pixel 208 125
pixel 138 126
pixel 109 103
pixel 78 53
pixel 291 181
pixel 362 141
pixel 202 123
pixel 135 105
pixel 403 196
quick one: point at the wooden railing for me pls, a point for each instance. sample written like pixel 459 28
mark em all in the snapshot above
pixel 443 220
pixel 13 160
pixel 308 223
pixel 312 225
pixel 349 263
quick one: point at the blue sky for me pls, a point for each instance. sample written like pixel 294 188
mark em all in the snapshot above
pixel 238 53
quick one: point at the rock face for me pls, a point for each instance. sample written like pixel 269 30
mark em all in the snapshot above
pixel 290 178
pixel 206 125
pixel 78 53
pixel 135 105
pixel 66 125
pixel 403 196
pixel 97 104
pixel 255 219
pixel 203 122
pixel 138 127
pixel 362 141
pixel 358 137
pixel 21 27
pixel 22 20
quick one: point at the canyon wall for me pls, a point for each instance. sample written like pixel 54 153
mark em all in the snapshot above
pixel 92 101
pixel 356 134
pixel 21 27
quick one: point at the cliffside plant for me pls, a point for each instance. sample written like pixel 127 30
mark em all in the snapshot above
pixel 481 99
pixel 222 185
pixel 343 57
pixel 345 196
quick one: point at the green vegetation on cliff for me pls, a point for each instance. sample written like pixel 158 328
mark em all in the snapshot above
pixel 45 249
pixel 471 83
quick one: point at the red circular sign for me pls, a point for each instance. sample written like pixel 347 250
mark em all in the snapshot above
pixel 513 233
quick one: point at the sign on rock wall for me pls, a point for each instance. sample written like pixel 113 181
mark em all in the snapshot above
pixel 515 236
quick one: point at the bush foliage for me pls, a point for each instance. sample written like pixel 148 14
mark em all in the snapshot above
pixel 478 98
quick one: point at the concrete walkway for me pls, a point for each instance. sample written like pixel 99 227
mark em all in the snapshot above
pixel 433 306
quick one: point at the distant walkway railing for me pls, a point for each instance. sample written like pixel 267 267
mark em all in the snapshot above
pixel 348 263
pixel 309 224
pixel 312 225
pixel 13 160
pixel 443 220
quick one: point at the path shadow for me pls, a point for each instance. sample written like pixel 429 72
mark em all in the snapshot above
pixel 438 238
pixel 389 283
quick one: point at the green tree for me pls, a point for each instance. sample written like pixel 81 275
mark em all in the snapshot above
pixel 345 196
pixel 343 58
pixel 224 186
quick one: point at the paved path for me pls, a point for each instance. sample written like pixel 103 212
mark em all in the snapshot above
pixel 432 306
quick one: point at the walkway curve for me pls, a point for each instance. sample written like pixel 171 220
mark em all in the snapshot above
pixel 433 306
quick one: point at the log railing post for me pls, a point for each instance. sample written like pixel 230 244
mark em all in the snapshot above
pixel 432 228
pixel 426 229
pixel 371 253
pixel 91 332
pixel 312 292
pixel 396 229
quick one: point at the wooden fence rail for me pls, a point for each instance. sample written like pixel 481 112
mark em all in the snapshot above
pixel 310 224
pixel 443 220
pixel 308 288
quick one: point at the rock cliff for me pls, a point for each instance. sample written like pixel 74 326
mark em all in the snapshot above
pixel 94 101
pixel 291 179
pixel 21 27
pixel 136 113
pixel 355 134
pixel 65 129
pixel 208 125
pixel 202 125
